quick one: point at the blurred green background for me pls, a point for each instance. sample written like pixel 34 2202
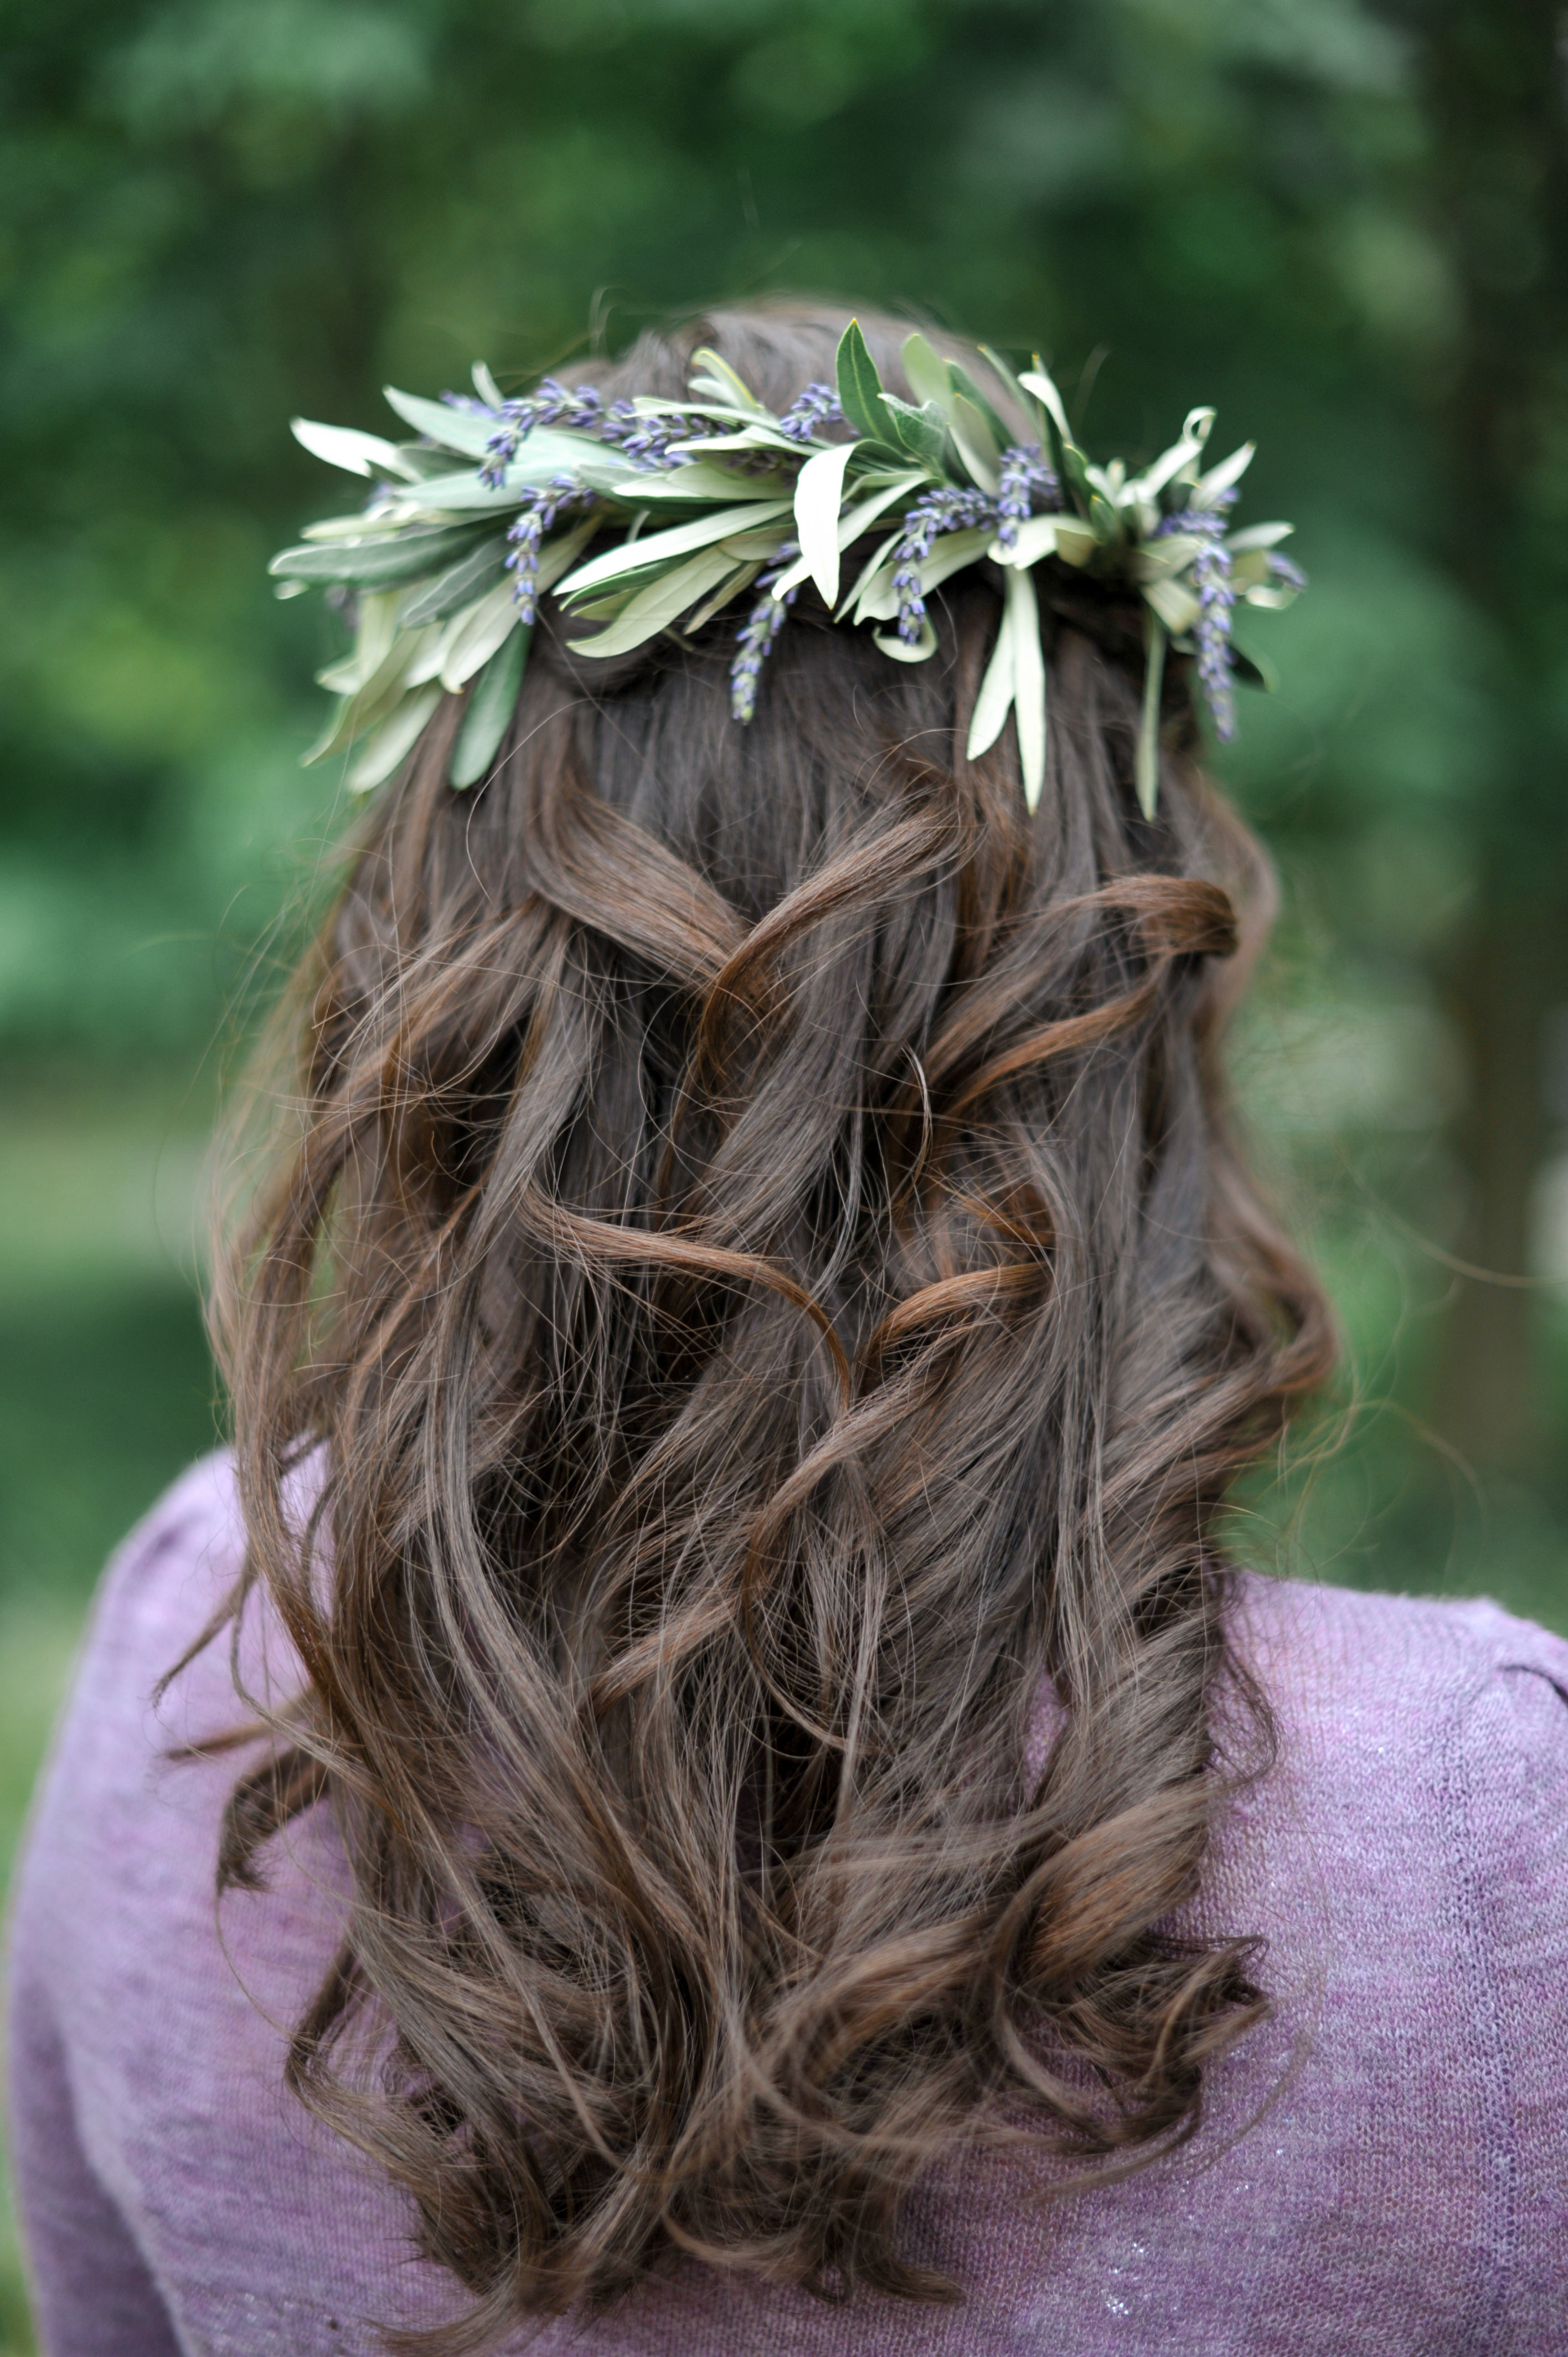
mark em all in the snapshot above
pixel 1346 224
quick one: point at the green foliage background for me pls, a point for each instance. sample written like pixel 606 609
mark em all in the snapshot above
pixel 1343 223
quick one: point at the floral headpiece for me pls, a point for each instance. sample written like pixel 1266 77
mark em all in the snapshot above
pixel 716 499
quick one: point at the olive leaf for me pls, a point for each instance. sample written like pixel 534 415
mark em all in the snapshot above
pixel 392 740
pixel 661 603
pixel 470 578
pixel 377 564
pixel 818 494
pixel 492 700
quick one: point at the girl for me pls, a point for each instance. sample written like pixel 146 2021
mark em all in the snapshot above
pixel 757 1816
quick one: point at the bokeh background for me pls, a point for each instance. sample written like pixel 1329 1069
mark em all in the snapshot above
pixel 1345 224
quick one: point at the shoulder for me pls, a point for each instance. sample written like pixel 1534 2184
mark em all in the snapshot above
pixel 166 1580
pixel 108 1797
pixel 1434 1735
pixel 1399 1663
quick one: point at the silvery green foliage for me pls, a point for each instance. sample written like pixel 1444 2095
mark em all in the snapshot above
pixel 711 503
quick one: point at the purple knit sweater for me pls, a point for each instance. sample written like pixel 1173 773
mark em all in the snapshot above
pixel 1383 2167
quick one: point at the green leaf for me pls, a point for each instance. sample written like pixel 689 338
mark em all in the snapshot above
pixel 1255 670
pixel 392 740
pixel 1146 763
pixel 381 666
pixel 487 716
pixel 346 446
pixel 1030 411
pixel 700 483
pixel 859 386
pixel 661 603
pixel 1028 684
pixel 921 432
pixel 923 649
pixel 977 445
pixel 1258 535
pixel 462 488
pixel 1178 609
pixel 1207 487
pixel 454 429
pixel 1016 682
pixel 681 540
pixel 995 700
pixel 966 389
pixel 472 637
pixel 819 495
pixel 711 374
pixel 927 374
pixel 468 578
pixel 726 590
pixel 376 564
pixel 1035 538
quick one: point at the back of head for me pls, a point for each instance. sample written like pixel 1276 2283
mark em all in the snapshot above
pixel 764 1272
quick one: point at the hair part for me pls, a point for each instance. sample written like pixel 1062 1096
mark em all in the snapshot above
pixel 767 1281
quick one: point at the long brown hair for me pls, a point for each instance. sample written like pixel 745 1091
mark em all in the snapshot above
pixel 764 1274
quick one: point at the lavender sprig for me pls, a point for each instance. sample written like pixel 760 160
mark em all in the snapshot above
pixel 818 405
pixel 933 513
pixel 642 435
pixel 1021 474
pixel 527 535
pixel 755 638
pixel 1216 597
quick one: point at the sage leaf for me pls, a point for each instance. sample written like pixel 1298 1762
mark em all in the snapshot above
pixel 977 445
pixel 965 389
pixel 921 432
pixel 927 374
pixel 859 386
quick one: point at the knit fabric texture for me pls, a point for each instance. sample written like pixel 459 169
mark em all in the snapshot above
pixel 1382 2167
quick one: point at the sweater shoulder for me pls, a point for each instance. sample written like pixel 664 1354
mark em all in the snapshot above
pixel 1342 1644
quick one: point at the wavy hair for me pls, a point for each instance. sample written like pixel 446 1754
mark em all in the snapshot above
pixel 761 1264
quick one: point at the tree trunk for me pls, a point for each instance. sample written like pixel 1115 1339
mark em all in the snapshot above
pixel 1499 997
pixel 1492 82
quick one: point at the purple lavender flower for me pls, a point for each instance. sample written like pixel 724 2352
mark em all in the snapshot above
pixel 579 407
pixel 645 437
pixel 1022 473
pixel 1284 570
pixel 932 513
pixel 818 405
pixel 756 635
pixel 540 511
pixel 1216 597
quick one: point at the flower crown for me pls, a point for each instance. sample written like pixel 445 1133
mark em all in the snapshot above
pixel 716 499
